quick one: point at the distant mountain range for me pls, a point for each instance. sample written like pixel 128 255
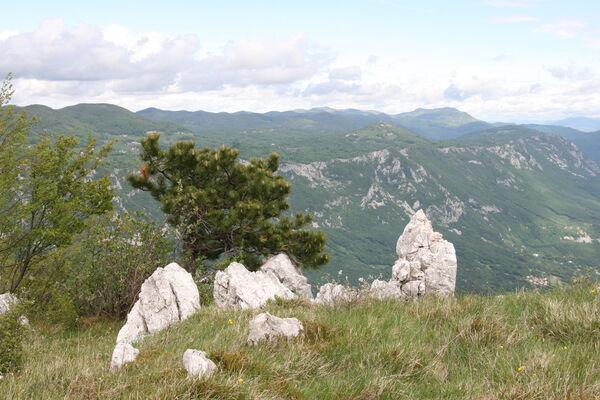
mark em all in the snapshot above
pixel 516 200
pixel 580 123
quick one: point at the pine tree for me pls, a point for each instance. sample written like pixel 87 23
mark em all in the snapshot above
pixel 223 207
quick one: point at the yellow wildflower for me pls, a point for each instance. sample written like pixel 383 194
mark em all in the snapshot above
pixel 565 347
pixel 230 322
pixel 240 380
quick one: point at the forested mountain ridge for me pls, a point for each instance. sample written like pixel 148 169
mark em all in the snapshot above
pixel 516 202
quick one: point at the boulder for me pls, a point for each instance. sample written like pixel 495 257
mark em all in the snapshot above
pixel 267 327
pixel 168 296
pixel 197 364
pixel 122 354
pixel 6 300
pixel 426 263
pixel 281 266
pixel 236 287
pixel 332 294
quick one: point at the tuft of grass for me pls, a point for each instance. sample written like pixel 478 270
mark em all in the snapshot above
pixel 525 345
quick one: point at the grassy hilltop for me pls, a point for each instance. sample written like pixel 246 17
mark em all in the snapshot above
pixel 523 345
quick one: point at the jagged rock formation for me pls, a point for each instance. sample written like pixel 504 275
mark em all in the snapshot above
pixel 268 327
pixel 197 364
pixel 236 287
pixel 168 296
pixel 289 275
pixel 331 294
pixel 426 263
pixel 122 354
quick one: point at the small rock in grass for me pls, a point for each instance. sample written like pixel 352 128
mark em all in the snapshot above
pixel 267 327
pixel 122 354
pixel 197 364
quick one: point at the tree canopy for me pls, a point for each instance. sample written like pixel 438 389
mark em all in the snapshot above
pixel 223 207
pixel 47 191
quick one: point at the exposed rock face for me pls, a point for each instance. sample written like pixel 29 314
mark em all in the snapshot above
pixel 331 294
pixel 168 296
pixel 267 327
pixel 122 354
pixel 236 287
pixel 6 300
pixel 382 289
pixel 426 264
pixel 197 364
pixel 281 266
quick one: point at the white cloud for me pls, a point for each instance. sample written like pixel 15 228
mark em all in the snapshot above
pixel 513 4
pixel 266 62
pixel 563 29
pixel 513 18
pixel 592 43
pixel 572 73
pixel 152 61
pixel 59 65
pixel 5 34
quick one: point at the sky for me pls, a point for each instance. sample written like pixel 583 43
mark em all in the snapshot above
pixel 499 60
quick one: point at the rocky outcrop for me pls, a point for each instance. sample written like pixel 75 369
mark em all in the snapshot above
pixel 236 287
pixel 168 296
pixel 382 290
pixel 197 364
pixel 281 266
pixel 332 294
pixel 268 327
pixel 122 354
pixel 426 263
pixel 6 301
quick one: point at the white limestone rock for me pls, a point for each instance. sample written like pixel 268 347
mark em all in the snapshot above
pixel 332 294
pixel 197 364
pixel 383 290
pixel 290 276
pixel 236 287
pixel 426 263
pixel 168 296
pixel 122 354
pixel 268 327
pixel 6 301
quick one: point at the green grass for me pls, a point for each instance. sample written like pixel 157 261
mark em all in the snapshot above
pixel 526 345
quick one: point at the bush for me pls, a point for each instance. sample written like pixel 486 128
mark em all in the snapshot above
pixel 11 339
pixel 101 273
pixel 112 259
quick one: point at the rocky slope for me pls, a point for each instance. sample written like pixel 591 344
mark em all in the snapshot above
pixel 523 205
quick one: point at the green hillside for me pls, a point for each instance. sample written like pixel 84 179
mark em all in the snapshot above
pixel 506 207
pixel 514 201
pixel 587 141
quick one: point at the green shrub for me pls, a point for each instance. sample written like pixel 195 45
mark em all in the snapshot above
pixel 11 339
pixel 101 273
pixel 111 260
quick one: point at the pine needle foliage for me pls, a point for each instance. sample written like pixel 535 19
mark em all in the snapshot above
pixel 223 207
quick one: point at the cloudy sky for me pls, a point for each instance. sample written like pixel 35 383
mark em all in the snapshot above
pixel 496 59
